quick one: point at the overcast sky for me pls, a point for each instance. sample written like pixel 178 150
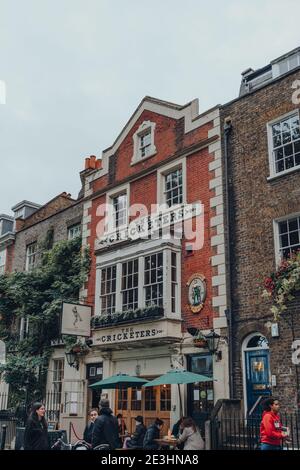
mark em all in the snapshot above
pixel 75 70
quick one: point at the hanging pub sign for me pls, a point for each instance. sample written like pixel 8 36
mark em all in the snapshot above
pixel 76 319
pixel 197 292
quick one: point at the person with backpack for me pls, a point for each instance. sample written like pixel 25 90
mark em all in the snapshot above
pixel 271 430
pixel 106 429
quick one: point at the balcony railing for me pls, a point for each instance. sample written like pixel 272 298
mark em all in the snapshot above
pixel 152 312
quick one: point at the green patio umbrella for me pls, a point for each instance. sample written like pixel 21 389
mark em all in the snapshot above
pixel 178 376
pixel 119 381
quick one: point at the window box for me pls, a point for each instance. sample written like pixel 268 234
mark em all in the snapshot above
pixel 129 316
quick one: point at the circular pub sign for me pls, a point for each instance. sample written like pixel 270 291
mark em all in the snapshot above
pixel 197 292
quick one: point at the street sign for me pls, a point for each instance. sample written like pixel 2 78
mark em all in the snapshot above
pixel 76 319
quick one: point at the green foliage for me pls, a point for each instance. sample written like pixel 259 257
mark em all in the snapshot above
pixel 282 285
pixel 38 296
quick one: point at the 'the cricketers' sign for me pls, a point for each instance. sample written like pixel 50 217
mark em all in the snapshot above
pixel 76 319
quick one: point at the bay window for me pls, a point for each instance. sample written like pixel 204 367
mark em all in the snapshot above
pixel 150 279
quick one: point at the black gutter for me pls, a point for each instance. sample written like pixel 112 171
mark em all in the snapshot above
pixel 228 312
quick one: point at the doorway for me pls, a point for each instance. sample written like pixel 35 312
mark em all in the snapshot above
pixel 149 402
pixel 256 370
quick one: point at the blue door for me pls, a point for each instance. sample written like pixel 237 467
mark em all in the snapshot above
pixel 257 375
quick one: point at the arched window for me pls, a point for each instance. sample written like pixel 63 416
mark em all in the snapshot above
pixel 257 341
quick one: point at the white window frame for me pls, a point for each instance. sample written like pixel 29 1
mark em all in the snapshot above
pixel 133 252
pixel 287 60
pixel 161 173
pixel 111 293
pixel 2 260
pixel 74 228
pixel 24 328
pixel 132 260
pixel 29 266
pixel 272 170
pixel 144 128
pixel 276 221
pixel 110 196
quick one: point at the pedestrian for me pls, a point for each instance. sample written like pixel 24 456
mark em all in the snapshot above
pixel 137 438
pixel 152 433
pixel 271 430
pixel 36 430
pixel 87 435
pixel 105 429
pixel 190 436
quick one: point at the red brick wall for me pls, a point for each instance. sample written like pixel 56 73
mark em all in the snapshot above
pixel 169 139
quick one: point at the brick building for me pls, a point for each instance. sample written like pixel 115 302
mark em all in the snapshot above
pixel 22 239
pixel 149 294
pixel 262 142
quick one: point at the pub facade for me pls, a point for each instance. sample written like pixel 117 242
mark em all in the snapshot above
pixel 153 218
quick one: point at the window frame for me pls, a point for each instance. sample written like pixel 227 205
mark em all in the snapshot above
pixel 162 172
pixel 30 266
pixel 3 255
pixel 270 124
pixel 72 227
pixel 278 256
pixel 145 128
pixel 110 226
pixel 131 255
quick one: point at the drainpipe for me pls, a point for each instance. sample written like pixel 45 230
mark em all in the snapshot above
pixel 228 312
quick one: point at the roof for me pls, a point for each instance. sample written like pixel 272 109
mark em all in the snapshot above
pixel 25 203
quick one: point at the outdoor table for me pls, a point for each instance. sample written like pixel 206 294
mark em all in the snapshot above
pixel 166 442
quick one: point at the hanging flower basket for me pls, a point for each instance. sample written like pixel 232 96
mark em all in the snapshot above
pixel 282 285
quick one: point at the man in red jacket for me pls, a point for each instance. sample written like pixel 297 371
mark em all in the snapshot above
pixel 271 429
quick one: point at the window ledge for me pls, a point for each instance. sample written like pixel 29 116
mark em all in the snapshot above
pixel 136 160
pixel 283 173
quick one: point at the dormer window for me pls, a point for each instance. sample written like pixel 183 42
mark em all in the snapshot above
pixel 143 142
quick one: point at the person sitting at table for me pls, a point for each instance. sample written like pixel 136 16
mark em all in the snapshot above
pixel 190 437
pixel 177 431
pixel 137 438
pixel 152 433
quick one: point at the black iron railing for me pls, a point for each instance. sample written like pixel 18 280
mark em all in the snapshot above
pixel 239 433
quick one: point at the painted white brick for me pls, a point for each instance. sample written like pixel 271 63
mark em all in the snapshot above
pixel 220 322
pixel 88 193
pixel 220 228
pixel 217 122
pixel 222 289
pixel 215 164
pixel 222 309
pixel 219 190
pixel 218 154
pixel 217 220
pixel 218 280
pixel 221 249
pixel 217 240
pixel 218 301
pixel 220 209
pixel 221 269
pixel 215 182
pixel 215 201
pixel 214 147
pixel 86 219
pixel 87 205
pixel 218 172
pixel 217 259
pixel 214 131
